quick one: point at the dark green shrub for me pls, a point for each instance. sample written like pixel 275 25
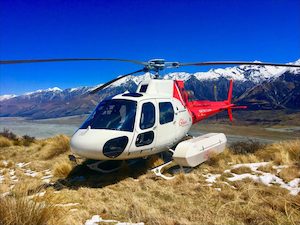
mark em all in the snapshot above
pixel 245 147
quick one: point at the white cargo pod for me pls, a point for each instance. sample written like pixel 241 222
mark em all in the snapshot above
pixel 195 151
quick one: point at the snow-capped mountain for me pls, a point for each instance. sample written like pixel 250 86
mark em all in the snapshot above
pixel 5 97
pixel 255 74
pixel 263 87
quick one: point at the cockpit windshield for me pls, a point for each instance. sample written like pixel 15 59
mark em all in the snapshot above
pixel 114 114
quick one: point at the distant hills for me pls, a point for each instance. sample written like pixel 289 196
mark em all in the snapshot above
pixel 258 87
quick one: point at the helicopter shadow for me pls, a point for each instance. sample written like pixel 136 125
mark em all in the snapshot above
pixel 82 176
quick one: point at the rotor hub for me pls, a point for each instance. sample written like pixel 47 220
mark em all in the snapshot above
pixel 157 65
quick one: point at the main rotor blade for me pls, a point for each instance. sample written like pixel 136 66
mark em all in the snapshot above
pixel 212 63
pixel 114 80
pixel 20 61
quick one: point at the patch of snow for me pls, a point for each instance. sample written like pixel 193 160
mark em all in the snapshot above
pixel 41 194
pixel 139 79
pixel 126 223
pixel 177 76
pixel 266 178
pixel 74 89
pixel 269 179
pixel 14 177
pixel 252 166
pixel 211 178
pixel 30 173
pixel 47 177
pixel 279 168
pixel 96 219
pixel 47 172
pixel 210 75
pixel 94 87
pixel 5 162
pixel 295 70
pixel 11 172
pixel 54 89
pixel 67 204
pixel 1 179
pixel 4 194
pixel 237 177
pixel 22 164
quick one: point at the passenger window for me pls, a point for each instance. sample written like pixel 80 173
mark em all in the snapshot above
pixel 166 112
pixel 148 116
pixel 143 88
pixel 144 139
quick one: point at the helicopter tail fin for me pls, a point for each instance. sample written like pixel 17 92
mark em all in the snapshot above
pixel 230 114
pixel 229 109
pixel 231 106
pixel 230 91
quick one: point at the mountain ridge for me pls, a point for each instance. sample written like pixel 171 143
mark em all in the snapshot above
pixel 258 87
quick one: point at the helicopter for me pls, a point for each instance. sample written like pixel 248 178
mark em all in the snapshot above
pixel 153 119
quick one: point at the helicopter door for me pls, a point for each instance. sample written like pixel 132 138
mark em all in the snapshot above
pixel 144 138
pixel 166 129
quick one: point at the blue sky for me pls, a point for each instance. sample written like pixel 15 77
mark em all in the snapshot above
pixel 202 30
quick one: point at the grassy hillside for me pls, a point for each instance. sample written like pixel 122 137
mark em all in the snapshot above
pixel 38 185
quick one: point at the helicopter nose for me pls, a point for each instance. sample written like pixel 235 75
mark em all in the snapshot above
pixel 100 144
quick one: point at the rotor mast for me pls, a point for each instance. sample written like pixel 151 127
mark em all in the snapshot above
pixel 157 65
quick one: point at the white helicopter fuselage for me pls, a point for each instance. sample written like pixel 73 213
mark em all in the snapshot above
pixel 134 125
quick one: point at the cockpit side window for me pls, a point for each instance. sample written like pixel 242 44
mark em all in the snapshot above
pixel 147 116
pixel 115 114
pixel 166 112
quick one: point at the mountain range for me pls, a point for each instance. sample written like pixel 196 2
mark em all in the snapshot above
pixel 258 87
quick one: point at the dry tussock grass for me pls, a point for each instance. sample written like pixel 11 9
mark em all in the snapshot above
pixel 19 209
pixel 16 211
pixel 241 170
pixel 5 142
pixel 31 186
pixel 62 168
pixel 184 200
pixel 6 164
pixel 154 161
pixel 284 153
pixel 290 173
pixel 268 168
pixel 56 146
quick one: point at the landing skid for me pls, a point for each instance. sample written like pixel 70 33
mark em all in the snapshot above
pixel 104 166
pixel 99 166
pixel 158 171
pixel 96 167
